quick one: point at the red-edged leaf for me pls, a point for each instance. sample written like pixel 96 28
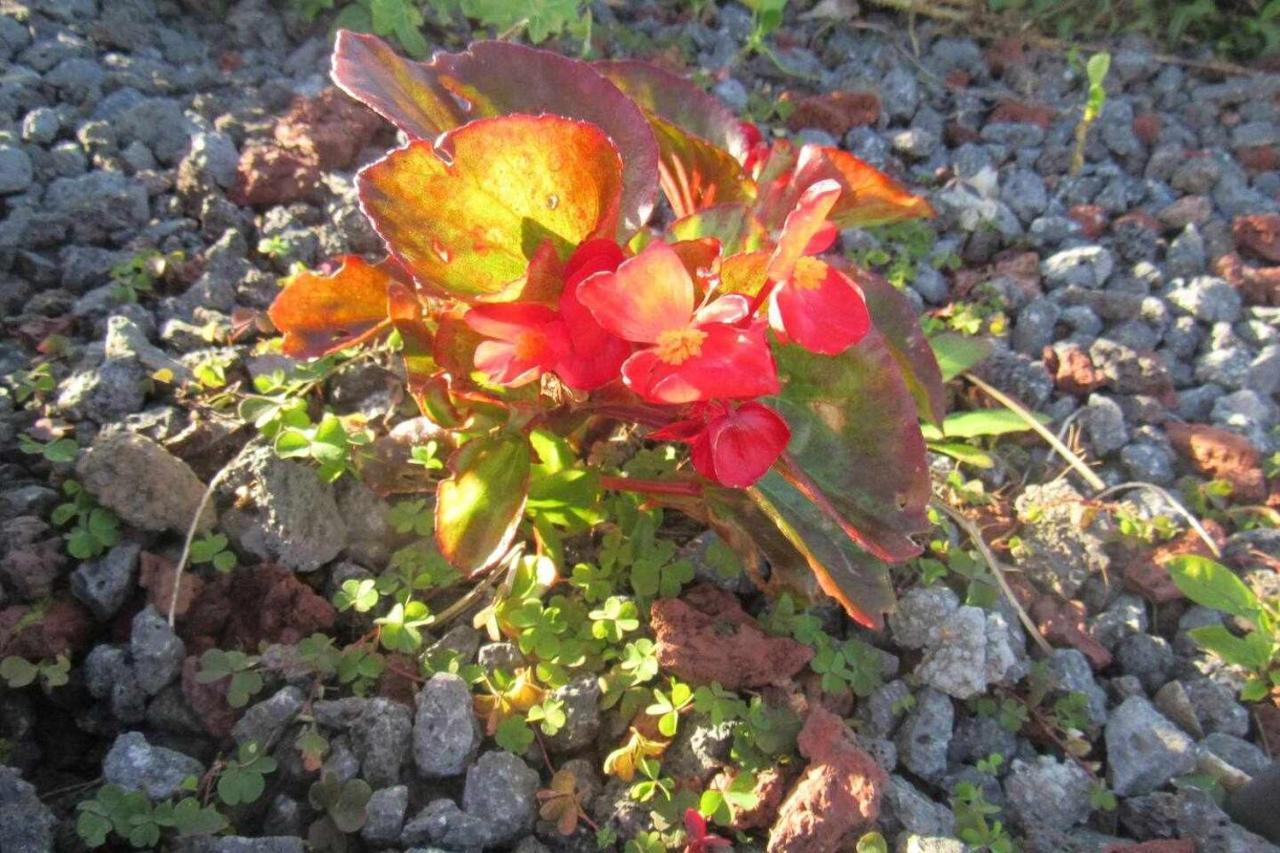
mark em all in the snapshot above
pixel 479 506
pixel 854 578
pixel 468 225
pixel 678 101
pixel 855 434
pixel 894 315
pixel 319 314
pixel 867 195
pixel 694 174
pixel 408 94
pixel 732 224
pixel 408 317
pixel 495 78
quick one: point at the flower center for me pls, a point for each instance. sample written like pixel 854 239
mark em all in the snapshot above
pixel 676 346
pixel 530 346
pixel 809 274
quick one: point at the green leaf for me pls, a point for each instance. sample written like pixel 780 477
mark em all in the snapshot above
pixel 18 672
pixel 1211 584
pixel 349 813
pixel 513 735
pixel 190 818
pixel 480 505
pixel 957 353
pixel 1253 651
pixel 979 423
pixel 92 828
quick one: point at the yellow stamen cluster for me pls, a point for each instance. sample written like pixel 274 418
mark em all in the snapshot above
pixel 676 346
pixel 809 274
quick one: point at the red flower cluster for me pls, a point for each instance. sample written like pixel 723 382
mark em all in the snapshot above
pixel 642 320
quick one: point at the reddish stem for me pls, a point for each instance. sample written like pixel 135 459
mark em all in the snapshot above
pixel 652 487
pixel 761 295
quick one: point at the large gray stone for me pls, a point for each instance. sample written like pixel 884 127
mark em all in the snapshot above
pixel 98 204
pixel 26 824
pixel 502 789
pixel 1048 792
pixel 264 720
pixel 103 584
pixel 291 517
pixel 925 735
pixel 135 765
pixel 381 737
pixel 155 650
pixel 144 484
pixel 1144 749
pixel 445 731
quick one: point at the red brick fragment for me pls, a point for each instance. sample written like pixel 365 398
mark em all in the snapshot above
pixel 1146 126
pixel 1091 219
pixel 1147 575
pixel 1065 622
pixel 1257 285
pixel 331 126
pixel 1073 370
pixel 837 795
pixel 272 174
pixel 835 112
pixel 1258 235
pixel 1259 158
pixel 1222 455
pixel 1010 111
pixel 706 636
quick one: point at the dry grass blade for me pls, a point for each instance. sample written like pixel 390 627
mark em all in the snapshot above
pixel 1022 411
pixel 1173 502
pixel 195 523
pixel 997 570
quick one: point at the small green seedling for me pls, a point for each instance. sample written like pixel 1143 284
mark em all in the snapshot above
pixel 1096 71
pixel 18 672
pixel 1211 584
pixel 212 549
pixel 245 679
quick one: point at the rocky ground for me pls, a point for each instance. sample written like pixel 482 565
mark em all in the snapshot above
pixel 1136 299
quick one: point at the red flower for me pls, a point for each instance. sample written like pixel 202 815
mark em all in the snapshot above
pixel 699 840
pixel 532 339
pixel 757 148
pixel 813 303
pixel 691 354
pixel 595 356
pixel 528 340
pixel 733 447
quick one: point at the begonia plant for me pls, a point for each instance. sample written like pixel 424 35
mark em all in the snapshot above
pixel 541 296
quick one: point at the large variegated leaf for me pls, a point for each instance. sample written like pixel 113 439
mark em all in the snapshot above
pixel 320 314
pixel 678 101
pixel 694 174
pixel 479 506
pixel 856 437
pixel 856 579
pixel 896 318
pixel 732 224
pixel 492 78
pixel 467 218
